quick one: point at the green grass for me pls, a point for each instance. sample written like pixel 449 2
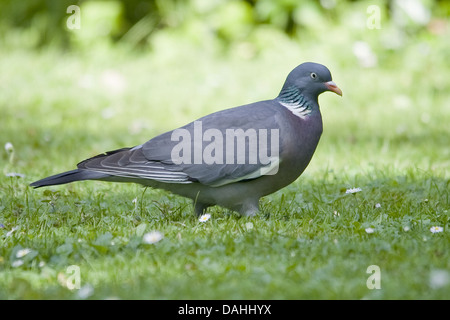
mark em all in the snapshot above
pixel 297 248
pixel 388 135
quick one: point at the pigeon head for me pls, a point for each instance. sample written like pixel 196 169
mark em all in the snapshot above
pixel 310 79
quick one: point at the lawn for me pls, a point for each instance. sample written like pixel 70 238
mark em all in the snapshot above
pixel 377 185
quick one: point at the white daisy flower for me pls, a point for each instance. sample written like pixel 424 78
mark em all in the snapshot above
pixel 439 278
pixel 9 233
pixel 22 253
pixel 353 190
pixel 249 226
pixel 9 147
pixel 204 217
pixel 15 174
pixel 85 291
pixel 377 205
pixel 436 229
pixel 152 237
pixel 17 263
pixel 369 230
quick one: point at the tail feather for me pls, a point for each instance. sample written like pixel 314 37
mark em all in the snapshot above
pixel 67 177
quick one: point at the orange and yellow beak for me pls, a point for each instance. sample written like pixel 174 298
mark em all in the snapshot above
pixel 333 87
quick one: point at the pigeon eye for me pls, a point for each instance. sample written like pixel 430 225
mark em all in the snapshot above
pixel 313 76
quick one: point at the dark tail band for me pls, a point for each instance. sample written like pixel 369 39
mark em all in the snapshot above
pixel 67 177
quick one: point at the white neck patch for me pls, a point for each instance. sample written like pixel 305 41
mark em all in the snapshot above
pixel 299 110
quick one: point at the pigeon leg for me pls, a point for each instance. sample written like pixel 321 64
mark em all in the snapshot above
pixel 250 208
pixel 200 208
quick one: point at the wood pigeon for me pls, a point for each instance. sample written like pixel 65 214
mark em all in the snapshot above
pixel 229 158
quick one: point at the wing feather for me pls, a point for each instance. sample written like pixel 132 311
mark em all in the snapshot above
pixel 153 159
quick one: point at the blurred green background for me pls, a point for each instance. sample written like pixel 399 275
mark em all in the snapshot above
pixel 218 23
pixel 145 67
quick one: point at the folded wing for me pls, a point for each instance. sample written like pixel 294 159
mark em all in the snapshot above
pixel 154 159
